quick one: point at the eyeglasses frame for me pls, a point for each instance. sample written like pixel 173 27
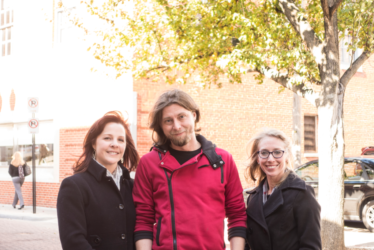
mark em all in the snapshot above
pixel 271 153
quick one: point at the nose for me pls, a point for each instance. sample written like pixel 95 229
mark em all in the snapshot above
pixel 114 143
pixel 272 157
pixel 176 125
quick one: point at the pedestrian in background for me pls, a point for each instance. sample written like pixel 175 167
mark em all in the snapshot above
pixel 17 172
pixel 282 212
pixel 95 207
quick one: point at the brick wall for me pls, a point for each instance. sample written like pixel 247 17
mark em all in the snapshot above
pixel 233 114
pixel 71 142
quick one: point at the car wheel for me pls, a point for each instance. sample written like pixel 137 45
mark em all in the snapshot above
pixel 368 215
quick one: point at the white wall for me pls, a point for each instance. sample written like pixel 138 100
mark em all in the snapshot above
pixel 59 74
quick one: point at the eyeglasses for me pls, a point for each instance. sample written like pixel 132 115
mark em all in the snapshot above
pixel 264 154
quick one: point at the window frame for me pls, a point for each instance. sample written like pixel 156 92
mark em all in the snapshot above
pixel 315 133
pixel 6 29
pixel 59 22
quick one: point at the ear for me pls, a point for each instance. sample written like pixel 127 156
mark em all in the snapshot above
pixel 194 115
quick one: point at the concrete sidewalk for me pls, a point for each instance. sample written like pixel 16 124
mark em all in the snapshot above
pixel 357 237
pixel 42 213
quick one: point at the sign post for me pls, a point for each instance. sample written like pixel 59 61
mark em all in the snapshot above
pixel 33 125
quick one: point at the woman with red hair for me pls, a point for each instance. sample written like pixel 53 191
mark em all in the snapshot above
pixel 95 207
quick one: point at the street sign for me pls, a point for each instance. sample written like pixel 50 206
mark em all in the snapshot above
pixel 33 104
pixel 33 125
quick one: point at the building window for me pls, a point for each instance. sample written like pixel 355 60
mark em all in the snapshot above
pixel 65 25
pixel 310 142
pixel 6 27
pixel 346 56
pixel 15 137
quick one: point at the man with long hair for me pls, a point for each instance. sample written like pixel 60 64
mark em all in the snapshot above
pixel 186 186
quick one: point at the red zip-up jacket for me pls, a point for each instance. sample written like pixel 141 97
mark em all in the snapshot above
pixel 183 207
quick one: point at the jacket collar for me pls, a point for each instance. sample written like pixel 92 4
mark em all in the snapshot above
pixel 99 172
pixel 259 211
pixel 208 149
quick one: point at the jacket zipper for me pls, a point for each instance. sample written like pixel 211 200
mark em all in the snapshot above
pixel 221 174
pixel 172 210
pixel 172 202
pixel 158 231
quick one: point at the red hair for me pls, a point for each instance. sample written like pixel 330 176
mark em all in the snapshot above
pixel 130 157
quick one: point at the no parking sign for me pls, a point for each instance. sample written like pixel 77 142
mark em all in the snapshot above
pixel 33 125
pixel 33 104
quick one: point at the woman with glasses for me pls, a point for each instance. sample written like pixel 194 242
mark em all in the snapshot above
pixel 95 208
pixel 282 212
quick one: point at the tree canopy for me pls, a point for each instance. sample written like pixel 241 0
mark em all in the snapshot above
pixel 178 39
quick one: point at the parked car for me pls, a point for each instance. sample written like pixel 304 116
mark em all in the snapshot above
pixel 367 150
pixel 358 187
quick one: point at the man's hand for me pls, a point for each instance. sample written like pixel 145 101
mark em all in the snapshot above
pixel 236 243
pixel 145 244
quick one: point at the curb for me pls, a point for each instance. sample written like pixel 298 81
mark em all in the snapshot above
pixel 359 248
pixel 26 217
pixel 43 214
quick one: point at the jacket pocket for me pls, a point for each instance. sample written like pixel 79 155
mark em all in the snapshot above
pixel 158 231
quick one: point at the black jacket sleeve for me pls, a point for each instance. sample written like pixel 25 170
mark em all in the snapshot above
pixel 13 171
pixel 307 213
pixel 71 217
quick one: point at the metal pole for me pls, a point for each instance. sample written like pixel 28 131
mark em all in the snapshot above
pixel 33 171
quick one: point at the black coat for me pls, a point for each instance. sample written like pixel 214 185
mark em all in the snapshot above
pixel 289 220
pixel 13 171
pixel 93 213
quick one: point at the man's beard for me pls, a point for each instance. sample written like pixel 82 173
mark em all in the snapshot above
pixel 180 142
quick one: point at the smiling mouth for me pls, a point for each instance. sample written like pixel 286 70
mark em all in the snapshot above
pixel 179 133
pixel 272 167
pixel 113 153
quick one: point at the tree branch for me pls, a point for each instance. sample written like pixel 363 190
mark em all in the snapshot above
pixel 347 76
pixel 282 78
pixel 303 27
pixel 325 8
pixel 333 8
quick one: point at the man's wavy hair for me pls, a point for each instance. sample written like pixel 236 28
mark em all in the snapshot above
pixel 166 99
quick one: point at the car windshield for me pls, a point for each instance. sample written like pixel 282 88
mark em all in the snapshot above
pixel 353 170
pixel 309 172
pixel 369 166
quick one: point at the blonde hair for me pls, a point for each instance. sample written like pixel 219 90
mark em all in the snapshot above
pixel 17 159
pixel 253 170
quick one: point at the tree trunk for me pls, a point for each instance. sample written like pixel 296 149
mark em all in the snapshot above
pixel 296 129
pixel 331 140
pixel 331 178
